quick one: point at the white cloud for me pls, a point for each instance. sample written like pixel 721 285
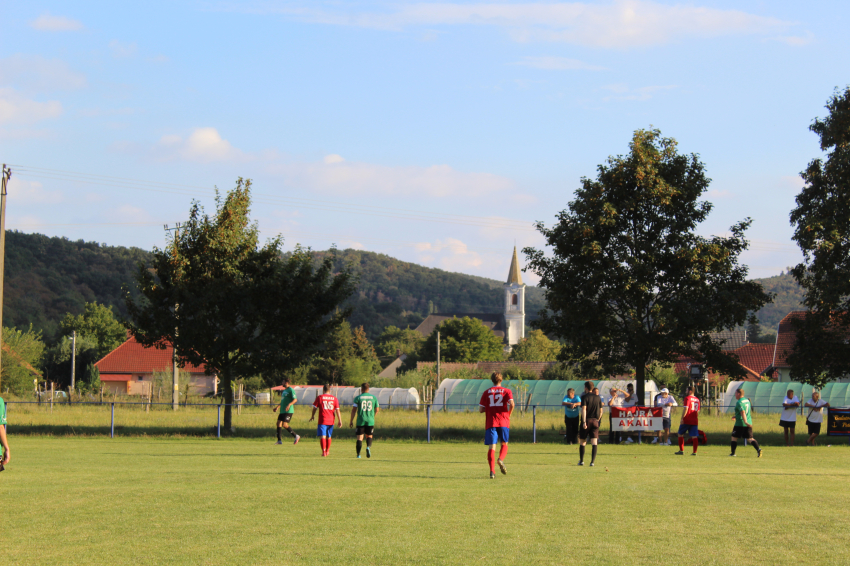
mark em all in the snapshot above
pixel 793 182
pixel 795 40
pixel 122 50
pixel 333 158
pixel 204 145
pixel 624 92
pixel 450 254
pixel 23 192
pixel 557 64
pixel 16 108
pixel 48 22
pixel 619 24
pixel 35 73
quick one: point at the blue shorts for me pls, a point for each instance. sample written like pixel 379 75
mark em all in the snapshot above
pixel 325 430
pixel 691 429
pixel 494 434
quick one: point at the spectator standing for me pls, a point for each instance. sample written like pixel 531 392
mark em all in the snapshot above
pixel 616 401
pixel 572 410
pixel 788 418
pixel 666 402
pixel 815 418
pixel 630 400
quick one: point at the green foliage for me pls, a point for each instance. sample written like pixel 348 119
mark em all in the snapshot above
pixel 91 379
pixel 25 348
pixel 561 372
pixel 463 340
pixel 230 305
pixel 57 359
pixel 536 347
pixel 822 230
pixel 787 296
pixel 757 334
pixel 630 281
pixel 516 372
pixel 48 277
pixel 393 339
pixel 666 376
pixel 346 358
pixel 98 323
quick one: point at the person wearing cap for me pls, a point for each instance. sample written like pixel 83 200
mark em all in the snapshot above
pixel 629 400
pixel 788 418
pixel 666 402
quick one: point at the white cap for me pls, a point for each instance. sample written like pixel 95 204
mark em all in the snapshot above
pixel 665 390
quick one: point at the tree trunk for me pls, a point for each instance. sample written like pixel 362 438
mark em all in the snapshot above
pixel 640 383
pixel 226 379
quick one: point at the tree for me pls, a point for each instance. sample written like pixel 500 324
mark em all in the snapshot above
pixel 536 347
pixel 22 357
pixel 821 222
pixel 394 339
pixel 98 323
pixel 232 306
pixel 463 340
pixel 629 281
pixel 348 357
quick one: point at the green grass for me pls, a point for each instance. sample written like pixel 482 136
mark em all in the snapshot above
pixel 71 500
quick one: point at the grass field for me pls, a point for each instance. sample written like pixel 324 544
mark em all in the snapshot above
pixel 193 500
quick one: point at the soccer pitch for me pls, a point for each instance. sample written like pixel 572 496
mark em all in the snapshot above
pixel 137 501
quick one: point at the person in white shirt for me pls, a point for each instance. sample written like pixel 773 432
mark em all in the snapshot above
pixel 815 417
pixel 630 400
pixel 616 400
pixel 788 418
pixel 666 402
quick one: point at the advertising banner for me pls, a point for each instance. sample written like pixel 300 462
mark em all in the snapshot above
pixel 838 422
pixel 638 419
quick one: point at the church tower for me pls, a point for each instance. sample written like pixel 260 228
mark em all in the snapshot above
pixel 514 304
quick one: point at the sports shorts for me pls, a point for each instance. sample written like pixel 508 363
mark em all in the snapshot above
pixel 787 424
pixel 592 430
pixel 284 417
pixel 814 428
pixel 325 430
pixel 665 423
pixel 495 434
pixel 367 430
pixel 745 432
pixel 691 430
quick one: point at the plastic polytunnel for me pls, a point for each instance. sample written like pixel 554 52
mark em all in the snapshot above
pixel 766 397
pixel 388 397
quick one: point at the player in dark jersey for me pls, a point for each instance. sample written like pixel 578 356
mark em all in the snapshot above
pixel 328 405
pixel 591 414
pixel 498 404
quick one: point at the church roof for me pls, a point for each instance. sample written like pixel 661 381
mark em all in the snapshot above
pixel 494 321
pixel 514 273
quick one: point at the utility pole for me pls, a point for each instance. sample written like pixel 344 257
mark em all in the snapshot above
pixel 175 392
pixel 438 359
pixel 73 359
pixel 7 174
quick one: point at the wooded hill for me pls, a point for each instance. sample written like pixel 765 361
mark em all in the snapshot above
pixel 48 277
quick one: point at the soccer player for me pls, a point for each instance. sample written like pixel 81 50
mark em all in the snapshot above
pixel 591 413
pixel 287 400
pixel 689 424
pixel 743 423
pixel 7 455
pixel 365 407
pixel 497 403
pixel 328 406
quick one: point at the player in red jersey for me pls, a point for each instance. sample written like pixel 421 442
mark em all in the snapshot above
pixel 498 404
pixel 689 423
pixel 328 406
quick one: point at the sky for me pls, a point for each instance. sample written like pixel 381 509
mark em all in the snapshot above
pixel 436 133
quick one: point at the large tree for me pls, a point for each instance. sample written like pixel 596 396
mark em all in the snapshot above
pixel 463 340
pixel 97 322
pixel 822 230
pixel 536 347
pixel 629 282
pixel 231 305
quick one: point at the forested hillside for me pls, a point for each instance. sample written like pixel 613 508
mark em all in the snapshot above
pixel 789 297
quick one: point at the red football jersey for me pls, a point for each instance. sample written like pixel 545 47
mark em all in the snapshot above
pixel 496 406
pixel 326 404
pixel 692 407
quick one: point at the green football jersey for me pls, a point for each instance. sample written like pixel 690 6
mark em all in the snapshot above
pixel 2 412
pixel 742 412
pixel 366 404
pixel 287 397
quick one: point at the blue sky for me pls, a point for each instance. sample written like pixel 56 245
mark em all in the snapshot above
pixel 432 132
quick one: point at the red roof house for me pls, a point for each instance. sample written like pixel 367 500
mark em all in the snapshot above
pixel 129 369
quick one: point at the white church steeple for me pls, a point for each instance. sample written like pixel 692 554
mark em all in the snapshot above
pixel 514 304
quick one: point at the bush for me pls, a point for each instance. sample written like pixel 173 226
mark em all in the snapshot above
pixel 516 372
pixel 561 372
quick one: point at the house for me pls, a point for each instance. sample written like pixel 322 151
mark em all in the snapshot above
pixel 130 368
pixel 508 325
pixel 786 340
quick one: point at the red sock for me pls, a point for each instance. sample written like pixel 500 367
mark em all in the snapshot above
pixel 681 443
pixel 322 444
pixel 695 442
pixel 327 445
pixel 503 452
pixel 491 459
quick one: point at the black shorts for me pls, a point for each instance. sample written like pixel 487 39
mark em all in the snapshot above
pixel 665 423
pixel 814 428
pixel 787 424
pixel 745 432
pixel 592 430
pixel 284 417
pixel 367 430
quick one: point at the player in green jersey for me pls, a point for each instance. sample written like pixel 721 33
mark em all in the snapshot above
pixel 287 409
pixel 743 422
pixel 7 455
pixel 365 407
